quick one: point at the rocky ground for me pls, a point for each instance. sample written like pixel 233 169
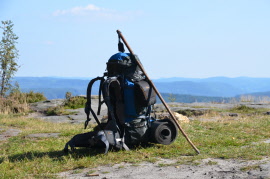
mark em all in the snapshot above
pixel 208 168
pixel 164 168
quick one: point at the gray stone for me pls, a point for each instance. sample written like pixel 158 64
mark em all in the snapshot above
pixel 8 133
pixel 42 135
pixel 267 141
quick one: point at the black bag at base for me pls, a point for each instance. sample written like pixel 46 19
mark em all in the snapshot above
pixel 137 131
pixel 80 140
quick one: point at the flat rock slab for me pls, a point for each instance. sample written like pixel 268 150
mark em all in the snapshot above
pixel 208 168
pixel 42 135
pixel 43 105
pixel 65 119
pixel 206 106
pixel 267 141
pixel 5 134
pixel 56 119
pixel 77 116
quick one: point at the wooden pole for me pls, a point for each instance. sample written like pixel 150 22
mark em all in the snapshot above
pixel 157 92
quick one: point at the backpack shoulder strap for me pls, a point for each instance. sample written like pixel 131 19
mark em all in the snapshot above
pixel 112 94
pixel 107 96
pixel 88 108
pixel 99 96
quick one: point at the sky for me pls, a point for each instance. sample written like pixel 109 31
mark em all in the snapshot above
pixel 175 38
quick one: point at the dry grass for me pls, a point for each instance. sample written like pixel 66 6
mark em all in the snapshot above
pixel 12 105
pixel 18 102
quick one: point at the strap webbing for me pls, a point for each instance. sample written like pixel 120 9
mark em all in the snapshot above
pixel 88 108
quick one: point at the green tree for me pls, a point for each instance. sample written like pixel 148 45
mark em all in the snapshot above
pixel 8 56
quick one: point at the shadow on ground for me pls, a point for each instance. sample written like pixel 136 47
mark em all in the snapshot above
pixel 78 153
pixel 55 155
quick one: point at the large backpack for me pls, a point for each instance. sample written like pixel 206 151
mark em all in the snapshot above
pixel 129 99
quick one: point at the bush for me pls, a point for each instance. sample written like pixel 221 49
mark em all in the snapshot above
pixel 13 104
pixel 58 110
pixel 17 102
pixel 33 97
pixel 243 109
pixel 75 102
pixel 191 112
pixel 69 103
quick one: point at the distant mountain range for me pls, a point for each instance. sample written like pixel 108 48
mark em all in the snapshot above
pixel 223 87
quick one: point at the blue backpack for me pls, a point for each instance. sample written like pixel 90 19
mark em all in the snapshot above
pixel 129 99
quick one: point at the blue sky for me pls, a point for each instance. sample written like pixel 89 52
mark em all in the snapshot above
pixel 176 38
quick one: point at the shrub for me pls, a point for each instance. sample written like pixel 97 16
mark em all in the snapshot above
pixel 243 109
pixel 191 112
pixel 17 102
pixel 75 102
pixel 33 97
pixel 69 103
pixel 13 104
pixel 58 110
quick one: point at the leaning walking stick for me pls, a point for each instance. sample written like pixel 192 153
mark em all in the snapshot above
pixel 159 95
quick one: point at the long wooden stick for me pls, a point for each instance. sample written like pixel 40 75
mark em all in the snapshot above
pixel 157 92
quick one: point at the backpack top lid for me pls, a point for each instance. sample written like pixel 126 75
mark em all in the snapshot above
pixel 124 64
pixel 121 64
pixel 119 56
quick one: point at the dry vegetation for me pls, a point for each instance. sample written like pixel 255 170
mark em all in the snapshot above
pixel 18 102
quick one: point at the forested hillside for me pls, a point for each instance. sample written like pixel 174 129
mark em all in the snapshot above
pixel 185 89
